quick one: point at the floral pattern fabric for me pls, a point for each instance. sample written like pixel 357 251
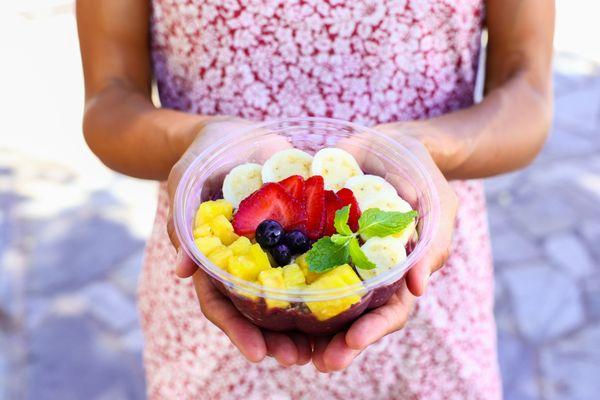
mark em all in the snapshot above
pixel 367 61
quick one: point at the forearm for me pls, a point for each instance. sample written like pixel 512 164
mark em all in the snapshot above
pixel 502 133
pixel 130 135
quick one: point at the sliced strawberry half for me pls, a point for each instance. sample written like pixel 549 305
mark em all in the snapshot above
pixel 347 198
pixel 315 206
pixel 294 185
pixel 332 204
pixel 271 201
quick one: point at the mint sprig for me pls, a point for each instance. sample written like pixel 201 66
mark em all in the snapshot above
pixel 343 246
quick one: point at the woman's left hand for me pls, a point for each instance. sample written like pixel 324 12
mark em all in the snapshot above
pixel 337 352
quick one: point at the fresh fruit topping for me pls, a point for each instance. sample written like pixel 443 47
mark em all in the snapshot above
pixel 329 252
pixel 384 252
pixel 269 202
pixel 332 204
pixel 220 256
pixel 202 230
pixel 208 210
pixel 222 228
pixel 338 278
pixel 297 241
pixel 309 275
pixel 207 244
pixel 315 207
pixel 269 233
pixel 336 166
pixel 293 276
pixel 347 199
pixel 240 246
pixel 242 181
pixel 244 267
pixel 286 163
pixel 294 185
pixel 367 187
pixel 273 278
pixel 259 256
pixel 281 254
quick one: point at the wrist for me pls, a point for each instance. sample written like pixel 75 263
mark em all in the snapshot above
pixel 448 149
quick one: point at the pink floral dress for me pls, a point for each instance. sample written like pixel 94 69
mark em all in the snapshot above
pixel 368 61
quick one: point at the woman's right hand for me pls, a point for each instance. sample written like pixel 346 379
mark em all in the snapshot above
pixel 254 343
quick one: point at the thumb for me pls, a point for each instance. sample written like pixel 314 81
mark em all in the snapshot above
pixel 417 277
pixel 184 266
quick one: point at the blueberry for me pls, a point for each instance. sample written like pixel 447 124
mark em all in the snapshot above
pixel 297 241
pixel 281 254
pixel 269 233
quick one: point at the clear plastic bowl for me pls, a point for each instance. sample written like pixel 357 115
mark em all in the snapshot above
pixel 376 153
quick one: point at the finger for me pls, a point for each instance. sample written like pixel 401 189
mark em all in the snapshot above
pixel 338 355
pixel 281 347
pixel 246 336
pixel 319 346
pixel 184 266
pixel 381 321
pixel 303 347
pixel 417 277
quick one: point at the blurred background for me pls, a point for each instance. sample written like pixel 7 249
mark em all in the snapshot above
pixel 72 232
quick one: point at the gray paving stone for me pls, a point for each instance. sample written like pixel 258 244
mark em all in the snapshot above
pixel 511 246
pixel 110 306
pixel 590 230
pixel 127 273
pixel 591 295
pixel 544 212
pixel 571 367
pixel 580 108
pixel 517 364
pixel 68 361
pixel 568 253
pixel 562 145
pixel 133 341
pixel 546 302
pixel 498 223
pixel 72 243
pixel 502 183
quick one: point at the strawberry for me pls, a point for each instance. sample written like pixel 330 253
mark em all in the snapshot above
pixel 315 206
pixel 294 185
pixel 332 204
pixel 271 201
pixel 347 198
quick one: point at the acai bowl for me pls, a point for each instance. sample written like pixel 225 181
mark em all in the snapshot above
pixel 306 223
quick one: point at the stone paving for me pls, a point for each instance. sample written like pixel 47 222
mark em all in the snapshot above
pixel 72 235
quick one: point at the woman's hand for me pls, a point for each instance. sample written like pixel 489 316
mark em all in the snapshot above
pixel 336 353
pixel 253 343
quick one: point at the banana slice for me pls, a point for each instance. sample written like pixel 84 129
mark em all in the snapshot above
pixel 336 166
pixel 286 163
pixel 391 202
pixel 367 187
pixel 241 182
pixel 384 252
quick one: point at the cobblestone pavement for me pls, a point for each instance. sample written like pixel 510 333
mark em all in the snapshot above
pixel 72 234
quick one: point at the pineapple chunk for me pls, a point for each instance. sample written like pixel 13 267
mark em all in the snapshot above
pixel 259 256
pixel 223 229
pixel 220 256
pixel 244 267
pixel 293 276
pixel 202 231
pixel 339 277
pixel 273 278
pixel 208 210
pixel 308 274
pixel 207 244
pixel 240 246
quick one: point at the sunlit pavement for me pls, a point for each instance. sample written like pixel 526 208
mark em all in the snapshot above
pixel 72 232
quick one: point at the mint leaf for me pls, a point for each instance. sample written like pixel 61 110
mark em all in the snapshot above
pixel 342 240
pixel 358 256
pixel 341 221
pixel 374 222
pixel 325 255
